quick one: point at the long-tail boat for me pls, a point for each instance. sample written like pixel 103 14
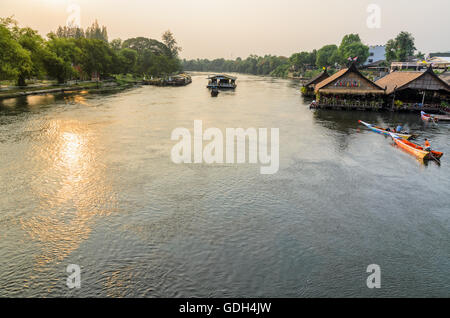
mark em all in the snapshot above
pixel 385 132
pixel 434 118
pixel 416 150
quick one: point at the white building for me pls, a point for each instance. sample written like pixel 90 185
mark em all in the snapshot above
pixel 376 53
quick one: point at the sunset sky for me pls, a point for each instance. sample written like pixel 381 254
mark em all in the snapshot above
pixel 232 28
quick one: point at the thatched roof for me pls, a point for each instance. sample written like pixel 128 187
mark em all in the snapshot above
pixel 317 79
pixel 399 80
pixel 445 77
pixel 322 86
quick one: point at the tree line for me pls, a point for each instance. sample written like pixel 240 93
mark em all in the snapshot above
pixel 74 53
pixel 307 63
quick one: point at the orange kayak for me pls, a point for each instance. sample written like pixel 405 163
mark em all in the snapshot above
pixel 416 150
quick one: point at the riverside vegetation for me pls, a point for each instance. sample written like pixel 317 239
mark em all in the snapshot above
pixel 71 53
pixel 307 64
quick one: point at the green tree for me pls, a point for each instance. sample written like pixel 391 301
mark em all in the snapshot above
pixel 65 54
pixel 96 57
pixel 116 44
pixel 31 41
pixel 400 48
pixel 128 60
pixel 351 47
pixel 171 43
pixel 94 32
pixel 14 60
pixel 327 56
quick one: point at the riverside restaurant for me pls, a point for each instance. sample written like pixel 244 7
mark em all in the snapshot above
pixel 397 91
pixel 415 90
pixel 349 89
pixel 308 88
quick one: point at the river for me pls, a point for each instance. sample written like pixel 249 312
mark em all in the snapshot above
pixel 88 180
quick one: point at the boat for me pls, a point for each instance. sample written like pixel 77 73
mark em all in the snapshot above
pixel 313 105
pixel 222 82
pixel 416 150
pixel 385 132
pixel 434 118
pixel 214 92
pixel 428 118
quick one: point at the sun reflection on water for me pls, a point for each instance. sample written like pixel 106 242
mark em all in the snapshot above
pixel 72 187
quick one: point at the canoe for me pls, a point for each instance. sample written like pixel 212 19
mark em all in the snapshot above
pixel 383 131
pixel 416 150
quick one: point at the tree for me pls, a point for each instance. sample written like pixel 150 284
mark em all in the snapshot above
pixel 65 54
pixel 94 32
pixel 171 43
pixel 68 32
pixel 14 60
pixel 140 44
pixel 299 60
pixel 352 46
pixel 31 41
pixel 96 57
pixel 400 48
pixel 327 56
pixel 116 44
pixel 57 68
pixel 128 60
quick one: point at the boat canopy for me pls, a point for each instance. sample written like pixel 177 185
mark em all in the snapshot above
pixel 222 77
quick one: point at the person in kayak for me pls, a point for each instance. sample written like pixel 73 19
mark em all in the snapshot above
pixel 399 129
pixel 427 146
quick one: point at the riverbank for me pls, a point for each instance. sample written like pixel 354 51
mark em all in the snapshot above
pixel 91 87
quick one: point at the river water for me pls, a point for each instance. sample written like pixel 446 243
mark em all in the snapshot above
pixel 88 180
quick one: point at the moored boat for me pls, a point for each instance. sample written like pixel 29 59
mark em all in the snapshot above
pixel 434 118
pixel 416 150
pixel 222 82
pixel 385 132
pixel 428 118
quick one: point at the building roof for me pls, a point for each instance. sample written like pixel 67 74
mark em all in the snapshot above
pixel 222 76
pixel 317 79
pixel 322 86
pixel 399 80
pixel 445 77
pixel 441 54
pixel 439 59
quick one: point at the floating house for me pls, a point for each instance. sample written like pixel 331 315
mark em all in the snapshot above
pixel 308 88
pixel 349 89
pixel 222 82
pixel 415 90
pixel 174 80
pixel 178 80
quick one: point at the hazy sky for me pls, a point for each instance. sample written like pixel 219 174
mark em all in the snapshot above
pixel 232 28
